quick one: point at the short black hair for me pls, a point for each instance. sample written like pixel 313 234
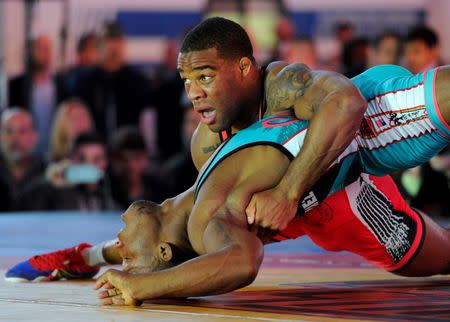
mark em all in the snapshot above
pixel 146 207
pixel 423 33
pixel 87 138
pixel 84 40
pixel 228 37
pixel 343 25
pixel 112 30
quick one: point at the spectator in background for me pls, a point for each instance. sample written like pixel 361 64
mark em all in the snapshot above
pixel 87 57
pixel 72 118
pixel 169 102
pixel 355 57
pixel 302 49
pixel 40 92
pixel 285 34
pixel 18 164
pixel 115 93
pixel 421 49
pixel 179 172
pixel 344 32
pixel 55 192
pixel 427 189
pixel 385 49
pixel 131 177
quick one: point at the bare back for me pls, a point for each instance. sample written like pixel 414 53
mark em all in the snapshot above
pixel 443 91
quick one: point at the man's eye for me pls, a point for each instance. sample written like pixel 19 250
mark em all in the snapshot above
pixel 205 78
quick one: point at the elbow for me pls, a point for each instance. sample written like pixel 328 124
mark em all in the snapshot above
pixel 354 103
pixel 249 272
pixel 249 266
pixel 352 107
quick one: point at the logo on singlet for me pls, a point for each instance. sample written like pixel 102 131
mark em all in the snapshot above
pixel 309 201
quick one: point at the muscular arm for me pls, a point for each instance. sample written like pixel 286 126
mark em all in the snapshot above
pixel 230 255
pixel 335 109
pixel 232 259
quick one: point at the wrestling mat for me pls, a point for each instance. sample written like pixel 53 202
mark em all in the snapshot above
pixel 298 281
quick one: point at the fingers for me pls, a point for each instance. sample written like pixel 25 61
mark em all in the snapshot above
pixel 104 280
pixel 109 293
pixel 100 282
pixel 113 300
pixel 250 211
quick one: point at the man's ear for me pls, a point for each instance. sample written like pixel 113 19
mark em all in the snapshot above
pixel 165 251
pixel 245 65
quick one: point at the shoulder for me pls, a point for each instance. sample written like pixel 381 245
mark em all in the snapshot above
pixel 285 84
pixel 280 70
pixel 203 144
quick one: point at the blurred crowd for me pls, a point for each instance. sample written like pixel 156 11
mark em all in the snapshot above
pixel 102 133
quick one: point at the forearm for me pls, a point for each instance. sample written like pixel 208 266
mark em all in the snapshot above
pixel 215 273
pixel 330 131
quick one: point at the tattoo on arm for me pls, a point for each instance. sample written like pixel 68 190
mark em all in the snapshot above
pixel 211 148
pixel 288 86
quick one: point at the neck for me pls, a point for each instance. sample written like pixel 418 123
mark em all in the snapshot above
pixel 18 168
pixel 255 98
pixel 174 226
pixel 111 66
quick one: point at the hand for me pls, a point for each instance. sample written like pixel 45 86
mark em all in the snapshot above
pixel 55 173
pixel 117 290
pixel 271 209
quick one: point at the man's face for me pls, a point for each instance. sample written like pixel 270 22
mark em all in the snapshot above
pixel 214 85
pixel 89 55
pixel 42 53
pixel 387 51
pixel 93 154
pixel 113 52
pixel 80 120
pixel 138 243
pixel 18 137
pixel 419 56
pixel 133 162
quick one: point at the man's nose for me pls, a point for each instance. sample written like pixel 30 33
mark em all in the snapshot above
pixel 195 92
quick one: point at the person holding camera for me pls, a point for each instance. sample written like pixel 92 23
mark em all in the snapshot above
pixel 78 183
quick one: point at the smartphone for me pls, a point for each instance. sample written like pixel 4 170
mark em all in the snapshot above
pixel 82 174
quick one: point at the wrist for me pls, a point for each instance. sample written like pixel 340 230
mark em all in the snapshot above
pixel 131 283
pixel 137 284
pixel 289 190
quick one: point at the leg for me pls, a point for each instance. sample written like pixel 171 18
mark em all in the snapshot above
pixel 434 256
pixel 443 91
pixel 77 262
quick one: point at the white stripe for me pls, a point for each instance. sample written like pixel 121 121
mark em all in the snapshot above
pixel 295 143
pixel 396 102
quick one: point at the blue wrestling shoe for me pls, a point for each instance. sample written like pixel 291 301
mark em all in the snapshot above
pixel 63 264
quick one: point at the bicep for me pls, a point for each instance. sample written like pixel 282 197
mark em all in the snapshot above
pixel 222 233
pixel 286 86
pixel 326 87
